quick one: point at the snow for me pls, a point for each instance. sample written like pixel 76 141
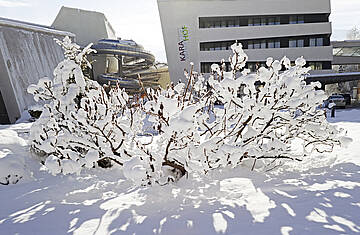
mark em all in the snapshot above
pixel 318 196
pixel 33 27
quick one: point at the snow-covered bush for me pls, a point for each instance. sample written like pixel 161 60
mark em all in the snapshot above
pixel 231 118
pixel 14 162
pixel 81 124
pixel 239 117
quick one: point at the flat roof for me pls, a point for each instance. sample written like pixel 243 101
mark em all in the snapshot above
pixel 33 27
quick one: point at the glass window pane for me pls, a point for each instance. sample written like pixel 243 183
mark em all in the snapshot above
pixel 293 20
pixel 312 42
pixel 263 44
pixel 319 42
pixel 312 65
pixel 271 21
pixel 277 20
pixel 250 22
pixel 301 20
pixel 228 46
pixel 251 45
pixel 318 66
pixel 292 43
pixel 237 22
pixel 252 67
pixel 256 21
pixel 231 23
pixel 263 21
pixel 277 44
pixel 300 43
pixel 271 44
pixel 256 45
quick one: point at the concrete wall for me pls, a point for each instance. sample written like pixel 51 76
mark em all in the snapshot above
pixel 175 14
pixel 27 53
pixel 88 26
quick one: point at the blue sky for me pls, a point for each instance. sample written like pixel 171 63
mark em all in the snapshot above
pixel 139 19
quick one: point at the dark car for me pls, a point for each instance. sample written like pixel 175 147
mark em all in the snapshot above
pixel 347 98
pixel 338 100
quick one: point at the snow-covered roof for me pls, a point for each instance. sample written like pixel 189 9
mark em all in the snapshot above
pixel 33 27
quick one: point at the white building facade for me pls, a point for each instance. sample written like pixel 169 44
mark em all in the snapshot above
pixel 202 31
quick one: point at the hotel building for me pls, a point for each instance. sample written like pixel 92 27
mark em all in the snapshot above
pixel 202 31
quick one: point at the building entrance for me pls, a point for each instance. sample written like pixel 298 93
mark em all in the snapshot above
pixel 4 118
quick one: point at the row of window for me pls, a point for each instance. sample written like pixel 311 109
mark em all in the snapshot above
pixel 308 41
pixel 258 21
pixel 262 44
pixel 239 21
pixel 205 67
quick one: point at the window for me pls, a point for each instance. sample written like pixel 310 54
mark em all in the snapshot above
pixel 257 21
pixel 316 42
pixel 263 44
pixel 271 21
pixel 312 65
pixel 293 20
pixel 300 43
pixel 296 19
pixel 312 42
pixel 205 68
pixel 296 43
pixel 319 42
pixel 277 44
pixel 251 45
pixel 252 67
pixel 292 43
pixel 263 21
pixel 236 21
pixel 209 24
pixel 271 44
pixel 231 23
pixel 277 20
pixel 301 20
pixel 316 65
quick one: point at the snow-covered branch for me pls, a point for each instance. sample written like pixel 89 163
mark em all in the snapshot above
pixel 228 119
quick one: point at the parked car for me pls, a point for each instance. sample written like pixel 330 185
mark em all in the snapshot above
pixel 339 101
pixel 347 98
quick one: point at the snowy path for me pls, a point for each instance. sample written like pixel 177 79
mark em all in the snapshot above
pixel 321 199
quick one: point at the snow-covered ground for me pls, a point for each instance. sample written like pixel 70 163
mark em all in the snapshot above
pixel 318 196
